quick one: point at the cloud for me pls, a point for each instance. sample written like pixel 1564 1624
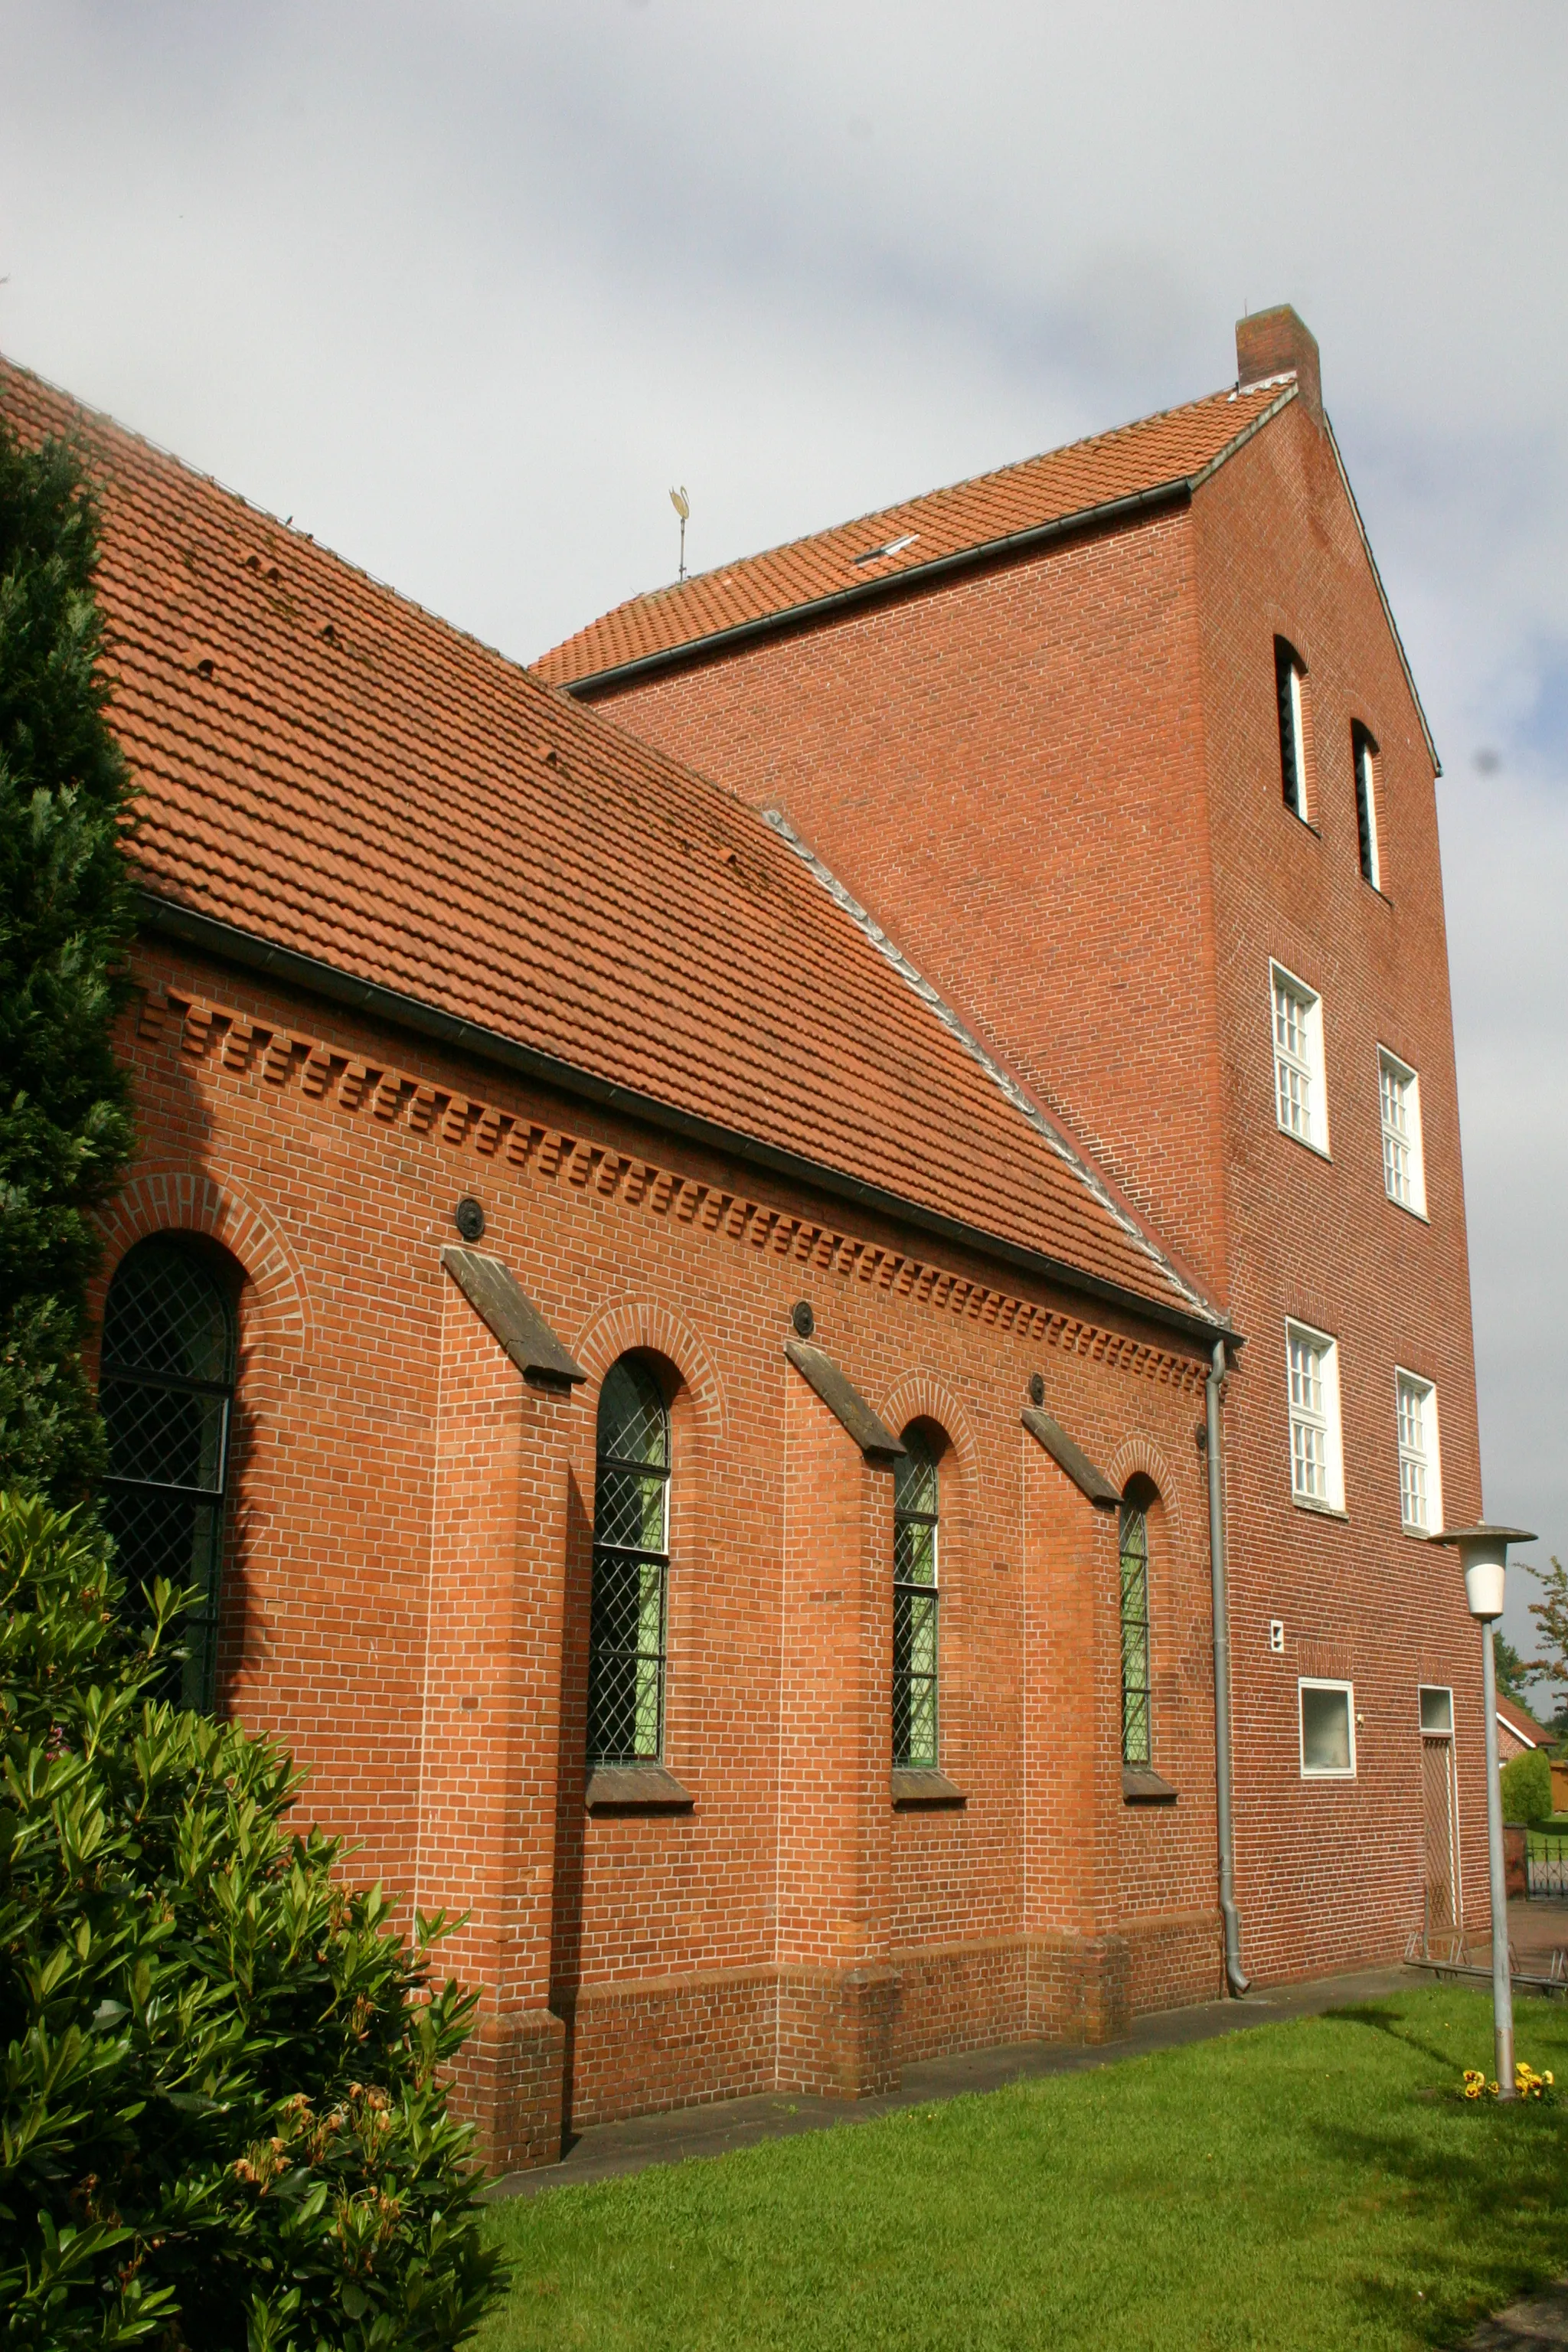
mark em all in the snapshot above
pixel 1505 855
pixel 466 289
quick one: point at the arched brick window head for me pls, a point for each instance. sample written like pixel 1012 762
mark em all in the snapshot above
pixel 166 1392
pixel 1137 1744
pixel 631 1569
pixel 916 1514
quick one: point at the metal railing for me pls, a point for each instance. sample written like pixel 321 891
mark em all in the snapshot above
pixel 1451 1952
pixel 1546 1861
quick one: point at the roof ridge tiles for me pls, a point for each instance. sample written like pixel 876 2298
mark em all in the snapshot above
pixel 788 579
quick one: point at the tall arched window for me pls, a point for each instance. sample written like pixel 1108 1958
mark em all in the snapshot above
pixel 166 1390
pixel 631 1569
pixel 915 1598
pixel 1136 1744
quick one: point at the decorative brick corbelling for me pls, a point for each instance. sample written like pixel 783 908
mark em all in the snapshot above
pixel 394 1096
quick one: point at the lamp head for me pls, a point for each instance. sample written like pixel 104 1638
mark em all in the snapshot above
pixel 1483 1555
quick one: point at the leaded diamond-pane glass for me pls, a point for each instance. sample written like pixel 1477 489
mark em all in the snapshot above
pixel 626 1673
pixel 165 1435
pixel 914 1551
pixel 165 1392
pixel 1136 1747
pixel 161 1533
pixel 915 1604
pixel 626 1628
pixel 634 1421
pixel 166 1315
pixel 914 1478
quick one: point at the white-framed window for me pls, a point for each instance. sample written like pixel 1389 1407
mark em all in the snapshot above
pixel 1363 759
pixel 1289 670
pixel 1420 1465
pixel 1300 1096
pixel 1437 1711
pixel 1317 1459
pixel 1328 1729
pixel 1399 1108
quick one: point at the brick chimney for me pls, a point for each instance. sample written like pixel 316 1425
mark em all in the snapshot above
pixel 1274 343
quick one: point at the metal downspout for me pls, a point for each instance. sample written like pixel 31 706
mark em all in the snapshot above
pixel 1235 1976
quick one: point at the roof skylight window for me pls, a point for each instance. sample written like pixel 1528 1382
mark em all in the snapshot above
pixel 889 547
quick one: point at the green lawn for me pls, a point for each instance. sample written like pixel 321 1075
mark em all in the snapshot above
pixel 1318 2185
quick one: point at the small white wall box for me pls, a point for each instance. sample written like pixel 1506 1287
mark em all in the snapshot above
pixel 1276 1633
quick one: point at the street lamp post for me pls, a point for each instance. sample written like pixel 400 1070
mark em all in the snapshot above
pixel 1483 1554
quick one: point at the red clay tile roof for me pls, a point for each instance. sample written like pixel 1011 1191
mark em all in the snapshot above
pixel 330 769
pixel 1520 1722
pixel 1133 462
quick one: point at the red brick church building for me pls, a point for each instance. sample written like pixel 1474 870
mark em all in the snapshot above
pixel 763 1258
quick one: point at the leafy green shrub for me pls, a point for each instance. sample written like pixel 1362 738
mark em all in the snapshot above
pixel 66 922
pixel 1527 1787
pixel 222 2123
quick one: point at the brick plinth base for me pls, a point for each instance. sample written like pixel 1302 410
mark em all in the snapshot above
pixel 668 2041
pixel 1080 1988
pixel 961 1997
pixel 837 2030
pixel 1175 1959
pixel 679 2042
pixel 508 2083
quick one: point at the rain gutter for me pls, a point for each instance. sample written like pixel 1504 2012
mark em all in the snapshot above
pixel 1177 492
pixel 1224 1824
pixel 866 592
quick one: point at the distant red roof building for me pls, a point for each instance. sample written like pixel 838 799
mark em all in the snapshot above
pixel 1518 1731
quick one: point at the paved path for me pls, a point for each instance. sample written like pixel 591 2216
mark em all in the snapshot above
pixel 606 2151
pixel 1537 1929
pixel 1538 2323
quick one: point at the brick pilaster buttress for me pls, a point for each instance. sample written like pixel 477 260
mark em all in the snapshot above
pixel 838 1991
pixel 1079 1987
pixel 492 1724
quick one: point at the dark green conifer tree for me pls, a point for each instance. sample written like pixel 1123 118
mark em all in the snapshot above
pixel 66 920
pixel 1513 1672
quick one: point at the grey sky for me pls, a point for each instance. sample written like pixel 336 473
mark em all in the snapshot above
pixel 464 288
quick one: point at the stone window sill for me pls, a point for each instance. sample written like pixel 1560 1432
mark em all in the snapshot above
pixel 925 1791
pixel 1140 1787
pixel 636 1789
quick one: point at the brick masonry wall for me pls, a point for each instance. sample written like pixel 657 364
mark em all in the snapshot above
pixel 1056 783
pixel 1329 1867
pixel 409 1555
